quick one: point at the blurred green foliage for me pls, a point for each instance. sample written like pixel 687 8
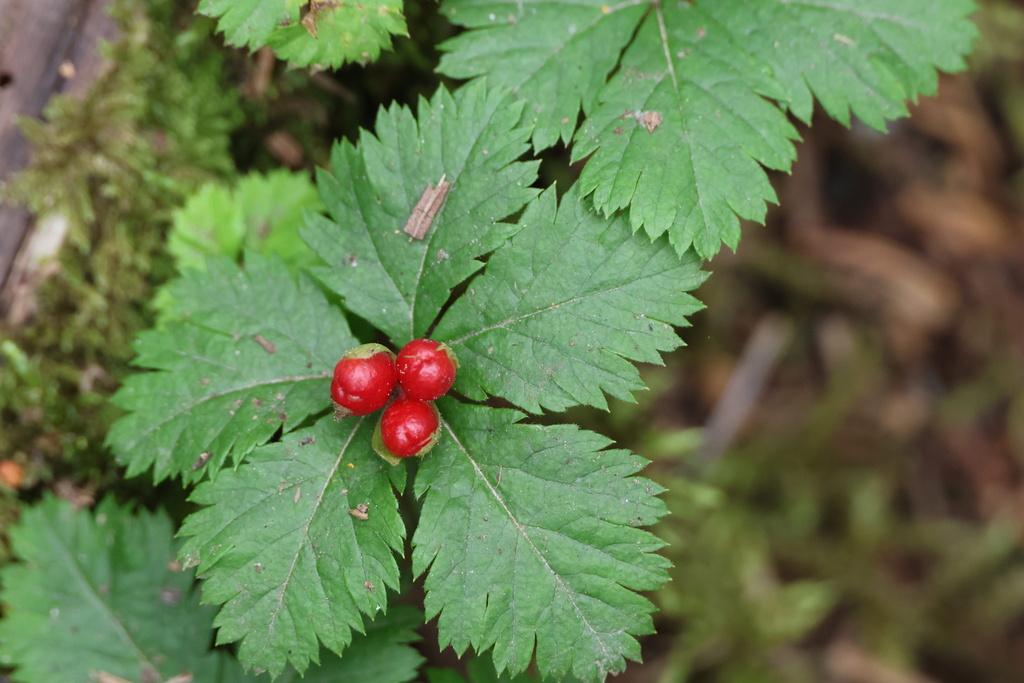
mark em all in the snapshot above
pixel 261 213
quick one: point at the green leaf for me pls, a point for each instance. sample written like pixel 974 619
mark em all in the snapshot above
pixel 335 31
pixel 281 552
pixel 251 354
pixel 872 55
pixel 555 55
pixel 98 593
pixel 472 139
pixel 563 308
pixel 102 593
pixel 695 110
pixel 696 166
pixel 262 213
pixel 528 537
pixel 345 32
pixel 250 22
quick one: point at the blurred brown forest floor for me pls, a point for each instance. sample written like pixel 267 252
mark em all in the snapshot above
pixel 859 371
pixel 852 511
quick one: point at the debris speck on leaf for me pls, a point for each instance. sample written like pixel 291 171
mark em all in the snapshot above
pixel 426 209
pixel 308 21
pixel 648 119
pixel 360 511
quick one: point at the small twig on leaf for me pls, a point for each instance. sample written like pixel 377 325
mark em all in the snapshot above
pixel 309 23
pixel 426 209
pixel 265 343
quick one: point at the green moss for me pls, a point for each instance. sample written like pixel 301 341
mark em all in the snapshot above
pixel 115 164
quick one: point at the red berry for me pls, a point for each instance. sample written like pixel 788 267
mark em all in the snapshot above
pixel 364 379
pixel 408 427
pixel 426 369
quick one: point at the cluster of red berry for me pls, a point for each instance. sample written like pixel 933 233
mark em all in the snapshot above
pixel 366 377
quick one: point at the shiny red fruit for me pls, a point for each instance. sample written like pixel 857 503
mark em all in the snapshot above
pixel 426 369
pixel 409 427
pixel 364 379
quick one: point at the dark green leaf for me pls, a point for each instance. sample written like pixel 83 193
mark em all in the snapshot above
pixel 529 537
pixel 252 353
pixel 281 552
pixel 563 308
pixel 472 139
